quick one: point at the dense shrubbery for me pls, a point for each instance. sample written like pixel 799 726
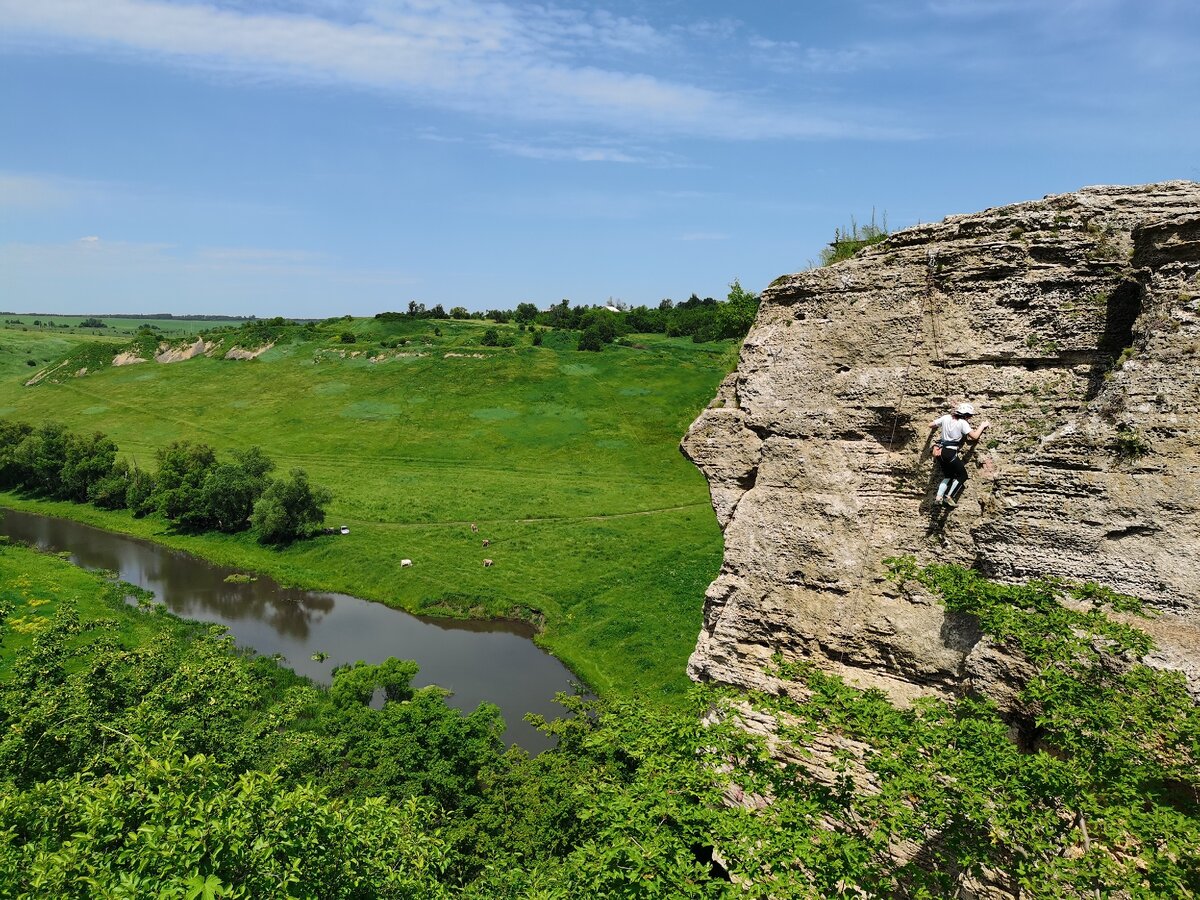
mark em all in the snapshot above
pixel 633 802
pixel 190 488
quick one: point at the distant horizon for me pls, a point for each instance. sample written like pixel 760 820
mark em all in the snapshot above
pixel 312 158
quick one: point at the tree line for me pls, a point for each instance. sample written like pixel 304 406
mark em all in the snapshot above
pixel 191 486
pixel 701 320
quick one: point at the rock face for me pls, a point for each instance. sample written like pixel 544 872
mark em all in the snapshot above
pixel 168 354
pixel 1073 324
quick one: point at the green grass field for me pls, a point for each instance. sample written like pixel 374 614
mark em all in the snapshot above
pixel 567 461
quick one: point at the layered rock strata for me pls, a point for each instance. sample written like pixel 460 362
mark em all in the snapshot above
pixel 1073 324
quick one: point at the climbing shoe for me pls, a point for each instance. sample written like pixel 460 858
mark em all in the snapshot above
pixel 949 501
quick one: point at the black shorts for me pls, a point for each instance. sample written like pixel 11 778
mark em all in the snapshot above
pixel 952 464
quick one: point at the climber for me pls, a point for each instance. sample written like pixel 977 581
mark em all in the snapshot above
pixel 956 427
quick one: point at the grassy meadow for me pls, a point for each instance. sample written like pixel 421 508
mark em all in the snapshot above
pixel 568 462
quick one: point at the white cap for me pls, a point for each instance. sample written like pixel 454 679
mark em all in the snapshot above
pixel 965 409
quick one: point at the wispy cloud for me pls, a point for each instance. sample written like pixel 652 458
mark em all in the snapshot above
pixel 575 150
pixel 532 63
pixel 26 192
pixel 573 154
pixel 141 274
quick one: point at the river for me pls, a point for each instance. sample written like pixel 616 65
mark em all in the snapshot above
pixel 478 661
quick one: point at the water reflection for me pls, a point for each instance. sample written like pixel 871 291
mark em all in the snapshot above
pixel 477 661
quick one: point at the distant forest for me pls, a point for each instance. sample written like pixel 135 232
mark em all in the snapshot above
pixel 701 320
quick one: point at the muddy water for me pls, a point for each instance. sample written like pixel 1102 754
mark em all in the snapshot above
pixel 493 661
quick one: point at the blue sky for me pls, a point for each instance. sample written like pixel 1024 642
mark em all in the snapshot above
pixel 320 157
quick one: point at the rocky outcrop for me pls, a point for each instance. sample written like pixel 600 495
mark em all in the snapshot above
pixel 1073 324
pixel 169 354
pixel 248 353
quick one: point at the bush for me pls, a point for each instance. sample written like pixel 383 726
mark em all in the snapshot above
pixel 348 337
pixel 491 338
pixel 591 339
pixel 847 243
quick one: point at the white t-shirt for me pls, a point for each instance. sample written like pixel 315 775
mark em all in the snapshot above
pixel 953 430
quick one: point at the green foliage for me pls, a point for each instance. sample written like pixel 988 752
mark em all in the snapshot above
pixel 290 509
pixel 634 800
pixel 179 482
pixel 159 823
pixel 592 339
pixel 191 487
pixel 846 244
pixel 139 492
pixel 348 337
pixel 1128 444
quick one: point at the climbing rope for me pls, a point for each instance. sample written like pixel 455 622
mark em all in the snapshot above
pixel 924 299
pixel 931 298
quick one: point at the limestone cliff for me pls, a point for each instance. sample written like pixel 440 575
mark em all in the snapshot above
pixel 1073 324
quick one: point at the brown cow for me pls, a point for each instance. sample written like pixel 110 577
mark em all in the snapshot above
pixel 474 528
pixel 486 542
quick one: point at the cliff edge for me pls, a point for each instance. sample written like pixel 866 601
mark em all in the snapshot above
pixel 1073 324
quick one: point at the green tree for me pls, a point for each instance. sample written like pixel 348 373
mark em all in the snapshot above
pixel 40 458
pixel 140 492
pixel 110 492
pixel 230 490
pixel 88 460
pixel 12 470
pixel 592 339
pixel 179 482
pixel 289 509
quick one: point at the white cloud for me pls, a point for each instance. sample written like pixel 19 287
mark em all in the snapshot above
pixel 540 63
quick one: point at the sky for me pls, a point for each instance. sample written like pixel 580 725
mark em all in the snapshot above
pixel 327 157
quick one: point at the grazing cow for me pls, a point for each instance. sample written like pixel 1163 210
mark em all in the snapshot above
pixel 487 563
pixel 474 528
pixel 405 563
pixel 486 542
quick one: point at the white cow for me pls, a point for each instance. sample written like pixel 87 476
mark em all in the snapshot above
pixel 405 563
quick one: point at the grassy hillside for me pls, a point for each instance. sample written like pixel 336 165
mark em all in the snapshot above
pixel 567 461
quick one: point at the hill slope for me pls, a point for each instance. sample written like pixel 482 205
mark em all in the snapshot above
pixel 566 461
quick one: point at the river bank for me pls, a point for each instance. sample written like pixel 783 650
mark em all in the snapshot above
pixel 312 632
